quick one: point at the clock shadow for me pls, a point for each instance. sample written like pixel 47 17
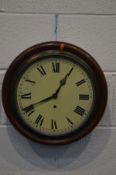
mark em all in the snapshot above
pixel 37 157
pixel 45 157
pixel 75 155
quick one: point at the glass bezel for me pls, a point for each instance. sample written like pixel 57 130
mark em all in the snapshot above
pixel 43 51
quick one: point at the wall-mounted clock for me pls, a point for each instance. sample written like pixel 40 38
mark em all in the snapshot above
pixel 54 93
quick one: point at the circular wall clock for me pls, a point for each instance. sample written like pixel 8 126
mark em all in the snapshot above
pixel 54 93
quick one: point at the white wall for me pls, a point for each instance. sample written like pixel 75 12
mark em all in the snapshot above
pixel 90 24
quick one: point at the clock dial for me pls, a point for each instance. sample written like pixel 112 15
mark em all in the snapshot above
pixel 54 96
pixel 54 93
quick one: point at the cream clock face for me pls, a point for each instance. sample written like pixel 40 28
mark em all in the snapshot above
pixel 54 96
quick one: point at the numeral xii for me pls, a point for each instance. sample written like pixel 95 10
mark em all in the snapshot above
pixel 56 67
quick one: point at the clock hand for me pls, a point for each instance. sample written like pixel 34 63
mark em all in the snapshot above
pixel 68 74
pixel 31 106
pixel 63 82
pixel 46 99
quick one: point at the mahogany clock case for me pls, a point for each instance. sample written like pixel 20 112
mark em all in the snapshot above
pixel 45 50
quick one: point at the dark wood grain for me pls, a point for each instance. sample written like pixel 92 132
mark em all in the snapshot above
pixel 25 59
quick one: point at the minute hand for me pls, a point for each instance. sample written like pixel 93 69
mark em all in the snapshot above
pixel 44 100
pixel 63 82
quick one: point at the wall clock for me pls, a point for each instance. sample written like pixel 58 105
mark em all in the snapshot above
pixel 54 93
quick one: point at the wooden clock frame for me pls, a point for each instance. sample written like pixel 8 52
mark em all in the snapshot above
pixel 23 59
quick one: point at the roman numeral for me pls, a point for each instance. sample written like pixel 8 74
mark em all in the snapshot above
pixel 80 82
pixel 69 121
pixel 83 97
pixel 29 109
pixel 39 120
pixel 41 70
pixel 79 110
pixel 30 81
pixel 26 96
pixel 53 124
pixel 56 67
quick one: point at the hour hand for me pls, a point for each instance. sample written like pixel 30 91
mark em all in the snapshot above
pixel 63 81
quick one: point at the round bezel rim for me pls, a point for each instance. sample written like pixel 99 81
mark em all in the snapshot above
pixel 55 46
